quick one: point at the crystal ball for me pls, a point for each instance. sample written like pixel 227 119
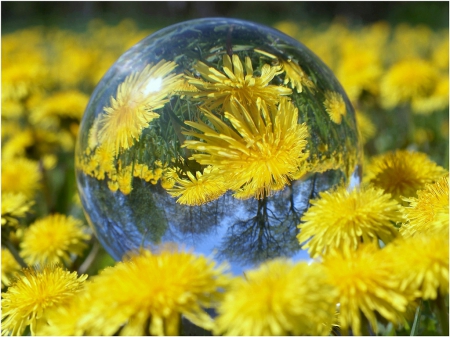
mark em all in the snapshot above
pixel 213 134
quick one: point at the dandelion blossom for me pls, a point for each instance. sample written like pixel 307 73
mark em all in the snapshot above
pixel 402 173
pixel 154 287
pixel 260 157
pixel 69 319
pixel 335 106
pixel 237 81
pixel 344 219
pixel 407 79
pixel 52 239
pixel 133 107
pixel 9 267
pixel 422 264
pixel 21 175
pixel 428 213
pixel 68 104
pixel 14 207
pixel 367 284
pixel 200 189
pixel 27 299
pixel 296 76
pixel 279 298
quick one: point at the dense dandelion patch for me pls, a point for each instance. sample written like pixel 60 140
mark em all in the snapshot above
pixel 226 139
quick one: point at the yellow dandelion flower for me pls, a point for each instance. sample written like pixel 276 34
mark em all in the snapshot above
pixel 155 288
pixel 103 162
pixel 428 213
pixel 17 144
pixel 335 106
pixel 402 173
pixel 407 79
pixel 422 264
pixel 14 206
pixel 366 128
pixel 125 179
pixel 23 74
pixel 52 239
pixel 12 109
pixel 198 190
pixel 237 81
pixel 343 220
pixel 21 175
pixel 359 69
pixel 9 267
pixel 68 103
pixel 113 185
pixel 440 54
pixel 278 299
pixel 260 157
pixel 437 100
pixel 296 76
pixel 32 294
pixel 367 285
pixel 133 107
pixel 67 320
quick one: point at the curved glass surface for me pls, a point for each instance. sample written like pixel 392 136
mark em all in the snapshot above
pixel 213 134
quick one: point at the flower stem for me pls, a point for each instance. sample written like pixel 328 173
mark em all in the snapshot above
pixel 365 327
pixel 15 253
pixel 416 323
pixel 90 258
pixel 442 315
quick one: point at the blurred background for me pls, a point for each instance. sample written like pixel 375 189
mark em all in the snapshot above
pixel 153 14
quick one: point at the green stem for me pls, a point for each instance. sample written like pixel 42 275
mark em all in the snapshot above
pixel 90 258
pixel 14 253
pixel 442 315
pixel 416 323
pixel 365 327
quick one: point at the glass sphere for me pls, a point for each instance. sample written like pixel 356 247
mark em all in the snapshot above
pixel 213 134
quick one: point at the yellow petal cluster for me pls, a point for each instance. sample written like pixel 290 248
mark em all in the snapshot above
pixel 343 220
pixel 156 288
pixel 31 295
pixel 279 298
pixel 428 213
pixel 53 239
pixel 262 151
pixel 421 263
pixel 402 173
pixel 237 81
pixel 367 284
pixel 134 106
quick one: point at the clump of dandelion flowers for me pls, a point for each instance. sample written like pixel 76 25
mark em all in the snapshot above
pixel 31 295
pixel 160 287
pixel 367 283
pixel 343 219
pixel 133 107
pixel 421 263
pixel 237 81
pixel 402 173
pixel 428 213
pixel 52 239
pixel 278 298
pixel 260 152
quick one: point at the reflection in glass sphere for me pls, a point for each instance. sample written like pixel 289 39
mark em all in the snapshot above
pixel 213 134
